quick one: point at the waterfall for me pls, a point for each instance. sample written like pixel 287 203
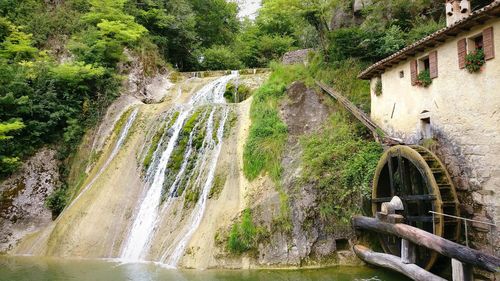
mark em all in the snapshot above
pixel 171 179
pixel 148 212
pixel 121 139
pixel 199 210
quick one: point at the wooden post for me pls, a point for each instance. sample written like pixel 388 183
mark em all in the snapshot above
pixel 425 239
pixel 461 271
pixel 408 254
pixel 392 262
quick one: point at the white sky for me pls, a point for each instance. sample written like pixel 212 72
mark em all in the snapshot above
pixel 248 8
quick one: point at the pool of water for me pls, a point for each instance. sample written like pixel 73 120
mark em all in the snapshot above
pixel 52 269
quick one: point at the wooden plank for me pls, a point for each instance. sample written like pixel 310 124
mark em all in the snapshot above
pixel 408 252
pixel 460 271
pixel 394 263
pixel 431 241
pixel 489 43
pixel 419 218
pixel 391 176
pixel 462 52
pixel 358 113
pixel 423 197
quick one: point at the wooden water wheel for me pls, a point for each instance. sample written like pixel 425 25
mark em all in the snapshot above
pixel 418 177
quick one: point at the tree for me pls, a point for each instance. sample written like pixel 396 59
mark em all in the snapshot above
pixel 220 57
pixel 9 164
pixel 110 31
pixel 17 45
pixel 216 21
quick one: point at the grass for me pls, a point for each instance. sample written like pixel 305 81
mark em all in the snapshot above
pixel 230 122
pixel 341 164
pixel 268 133
pixel 152 148
pixel 218 186
pixel 243 234
pixel 343 77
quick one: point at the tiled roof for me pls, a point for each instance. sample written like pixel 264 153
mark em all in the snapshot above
pixel 435 39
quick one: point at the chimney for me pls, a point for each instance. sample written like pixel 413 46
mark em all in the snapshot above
pixel 456 10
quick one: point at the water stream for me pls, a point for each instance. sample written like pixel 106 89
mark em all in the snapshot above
pixel 183 168
pixel 121 139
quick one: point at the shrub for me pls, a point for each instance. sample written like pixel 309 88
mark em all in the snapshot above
pixel 220 58
pixel 378 87
pixel 424 78
pixel 57 201
pixel 341 165
pixel 474 60
pixel 243 235
pixel 239 94
pixel 264 147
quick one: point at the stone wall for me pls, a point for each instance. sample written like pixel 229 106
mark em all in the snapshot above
pixel 464 111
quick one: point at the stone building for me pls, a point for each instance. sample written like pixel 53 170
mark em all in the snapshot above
pixel 430 91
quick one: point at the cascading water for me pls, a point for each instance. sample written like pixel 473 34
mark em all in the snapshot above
pixel 183 168
pixel 144 222
pixel 121 139
pixel 172 259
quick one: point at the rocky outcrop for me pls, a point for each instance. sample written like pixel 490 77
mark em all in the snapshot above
pixel 296 57
pixel 148 89
pixel 22 198
pixel 304 112
pixel 360 5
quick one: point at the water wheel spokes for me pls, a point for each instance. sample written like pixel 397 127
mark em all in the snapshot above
pixel 419 178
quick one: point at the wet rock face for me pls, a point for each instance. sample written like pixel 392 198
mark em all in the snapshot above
pixel 22 198
pixel 304 112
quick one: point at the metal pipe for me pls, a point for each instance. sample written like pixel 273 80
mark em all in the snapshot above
pixel 451 216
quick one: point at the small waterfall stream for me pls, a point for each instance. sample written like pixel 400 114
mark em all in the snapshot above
pixel 121 139
pixel 182 170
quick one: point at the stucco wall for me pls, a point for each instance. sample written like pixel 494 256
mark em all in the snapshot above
pixel 464 112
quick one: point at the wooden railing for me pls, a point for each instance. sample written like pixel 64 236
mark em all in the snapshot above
pixel 377 131
pixel 463 258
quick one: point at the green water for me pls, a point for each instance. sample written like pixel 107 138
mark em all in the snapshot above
pixel 50 269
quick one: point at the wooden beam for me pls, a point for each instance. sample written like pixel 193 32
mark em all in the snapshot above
pixel 423 197
pixel 431 241
pixel 413 271
pixel 460 271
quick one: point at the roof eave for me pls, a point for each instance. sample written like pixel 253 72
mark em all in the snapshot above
pixel 435 39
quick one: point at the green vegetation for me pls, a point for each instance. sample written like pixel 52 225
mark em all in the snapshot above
pixel 235 93
pixel 243 235
pixel 378 87
pixel 220 57
pixel 424 78
pixel 152 147
pixel 474 60
pixel 57 201
pixel 341 164
pixel 218 186
pixel 268 133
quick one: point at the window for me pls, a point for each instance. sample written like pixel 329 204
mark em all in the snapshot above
pixel 401 74
pixel 429 64
pixel 425 126
pixel 475 43
pixel 483 41
pixel 423 64
pixel 478 42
